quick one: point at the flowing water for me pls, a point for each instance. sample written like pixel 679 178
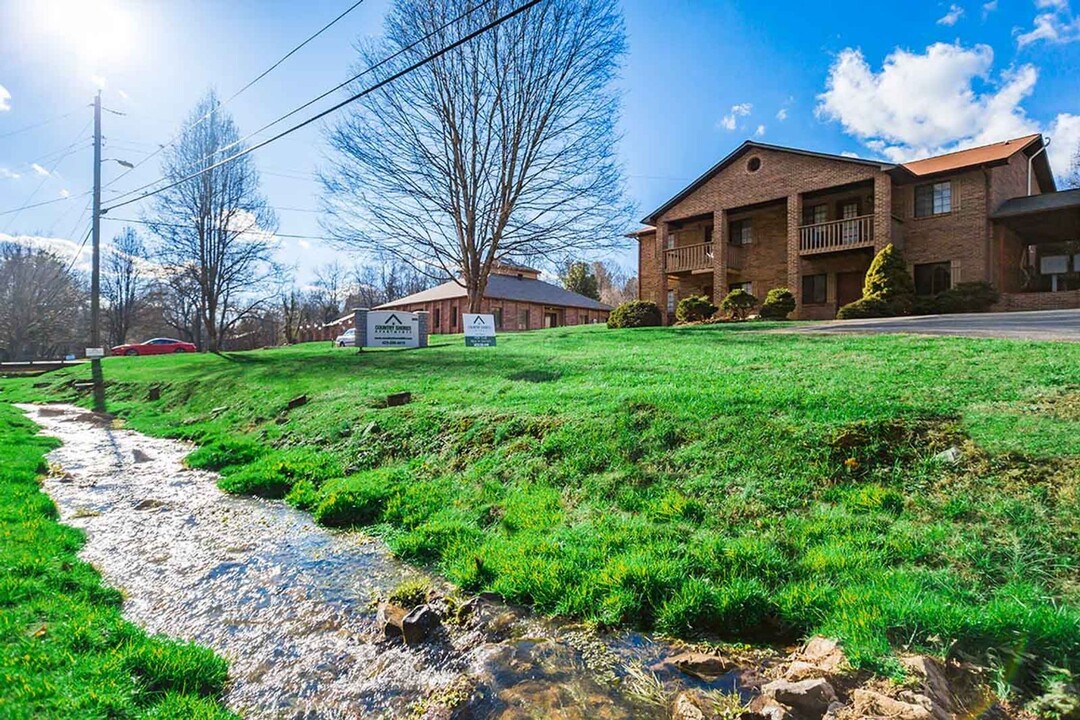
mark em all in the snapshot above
pixel 292 605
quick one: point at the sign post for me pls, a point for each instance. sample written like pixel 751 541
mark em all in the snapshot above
pixel 479 330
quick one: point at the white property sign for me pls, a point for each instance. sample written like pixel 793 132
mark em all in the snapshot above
pixel 479 330
pixel 392 328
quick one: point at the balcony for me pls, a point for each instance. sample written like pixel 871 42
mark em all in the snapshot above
pixel 736 257
pixel 835 235
pixel 689 258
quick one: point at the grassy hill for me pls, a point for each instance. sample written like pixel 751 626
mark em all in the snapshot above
pixel 714 480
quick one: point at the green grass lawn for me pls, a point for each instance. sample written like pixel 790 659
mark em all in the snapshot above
pixel 65 651
pixel 713 481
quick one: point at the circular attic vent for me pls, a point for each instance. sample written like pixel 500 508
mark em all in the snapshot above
pixel 753 164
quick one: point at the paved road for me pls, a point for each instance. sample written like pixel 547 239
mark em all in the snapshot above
pixel 1035 325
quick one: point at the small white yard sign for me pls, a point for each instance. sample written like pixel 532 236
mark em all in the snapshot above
pixel 479 330
pixel 95 352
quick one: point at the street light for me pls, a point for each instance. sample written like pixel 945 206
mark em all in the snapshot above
pixel 118 161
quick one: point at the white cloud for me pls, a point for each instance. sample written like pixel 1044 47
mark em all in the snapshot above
pixel 5 99
pixel 62 247
pixel 1064 135
pixel 728 122
pixel 760 131
pixel 781 114
pixel 954 14
pixel 6 174
pixel 989 7
pixel 304 244
pixel 848 153
pixel 65 193
pixel 923 104
pixel 39 170
pixel 1056 24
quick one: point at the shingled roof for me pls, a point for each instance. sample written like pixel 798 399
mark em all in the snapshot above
pixel 505 287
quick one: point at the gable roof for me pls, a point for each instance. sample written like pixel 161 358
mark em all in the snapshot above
pixel 738 152
pixel 505 287
pixel 995 153
pixel 983 155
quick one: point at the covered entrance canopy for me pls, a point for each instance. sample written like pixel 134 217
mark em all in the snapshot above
pixel 1040 242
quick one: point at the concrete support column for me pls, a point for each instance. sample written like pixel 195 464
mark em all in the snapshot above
pixel 719 249
pixel 882 211
pixel 794 220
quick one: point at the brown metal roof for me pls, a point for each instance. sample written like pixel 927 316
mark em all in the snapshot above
pixel 505 287
pixel 983 155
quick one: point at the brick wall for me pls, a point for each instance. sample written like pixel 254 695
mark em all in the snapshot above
pixel 1067 300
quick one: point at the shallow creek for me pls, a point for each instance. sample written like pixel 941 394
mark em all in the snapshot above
pixel 291 605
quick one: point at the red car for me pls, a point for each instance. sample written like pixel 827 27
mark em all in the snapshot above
pixel 157 346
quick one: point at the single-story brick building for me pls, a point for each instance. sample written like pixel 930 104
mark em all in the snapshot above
pixel 516 296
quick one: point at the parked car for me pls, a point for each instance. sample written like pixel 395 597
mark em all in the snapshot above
pixel 156 346
pixel 346 339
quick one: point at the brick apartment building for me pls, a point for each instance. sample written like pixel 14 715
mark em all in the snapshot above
pixel 768 216
pixel 516 296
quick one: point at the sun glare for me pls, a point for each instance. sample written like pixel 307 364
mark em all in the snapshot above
pixel 98 32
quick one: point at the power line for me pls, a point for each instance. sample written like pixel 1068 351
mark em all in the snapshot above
pixel 367 91
pixel 37 124
pixel 26 204
pixel 133 221
pixel 314 100
pixel 261 75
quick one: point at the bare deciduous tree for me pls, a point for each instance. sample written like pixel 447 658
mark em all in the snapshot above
pixel 615 284
pixel 502 149
pixel 42 304
pixel 215 228
pixel 331 290
pixel 124 285
pixel 1072 180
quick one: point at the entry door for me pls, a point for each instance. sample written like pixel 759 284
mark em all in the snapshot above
pixel 551 319
pixel 849 287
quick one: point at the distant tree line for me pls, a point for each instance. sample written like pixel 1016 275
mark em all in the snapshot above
pixel 603 281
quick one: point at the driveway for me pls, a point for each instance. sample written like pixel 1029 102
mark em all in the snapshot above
pixel 1034 325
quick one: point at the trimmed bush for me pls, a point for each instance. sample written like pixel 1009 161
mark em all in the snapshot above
pixel 739 303
pixel 888 277
pixel 636 313
pixel 779 303
pixel 967 298
pixel 694 309
pixel 866 308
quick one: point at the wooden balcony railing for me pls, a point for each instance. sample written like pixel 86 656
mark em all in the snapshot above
pixel 735 256
pixel 689 257
pixel 835 235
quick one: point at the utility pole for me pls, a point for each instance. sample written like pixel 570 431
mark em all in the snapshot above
pixel 95 273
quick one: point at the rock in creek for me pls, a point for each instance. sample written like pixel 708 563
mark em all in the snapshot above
pixel 416 626
pixel 704 666
pixel 809 699
pixel 389 617
pixel 868 703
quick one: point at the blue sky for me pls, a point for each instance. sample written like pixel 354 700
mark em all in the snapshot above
pixel 700 77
